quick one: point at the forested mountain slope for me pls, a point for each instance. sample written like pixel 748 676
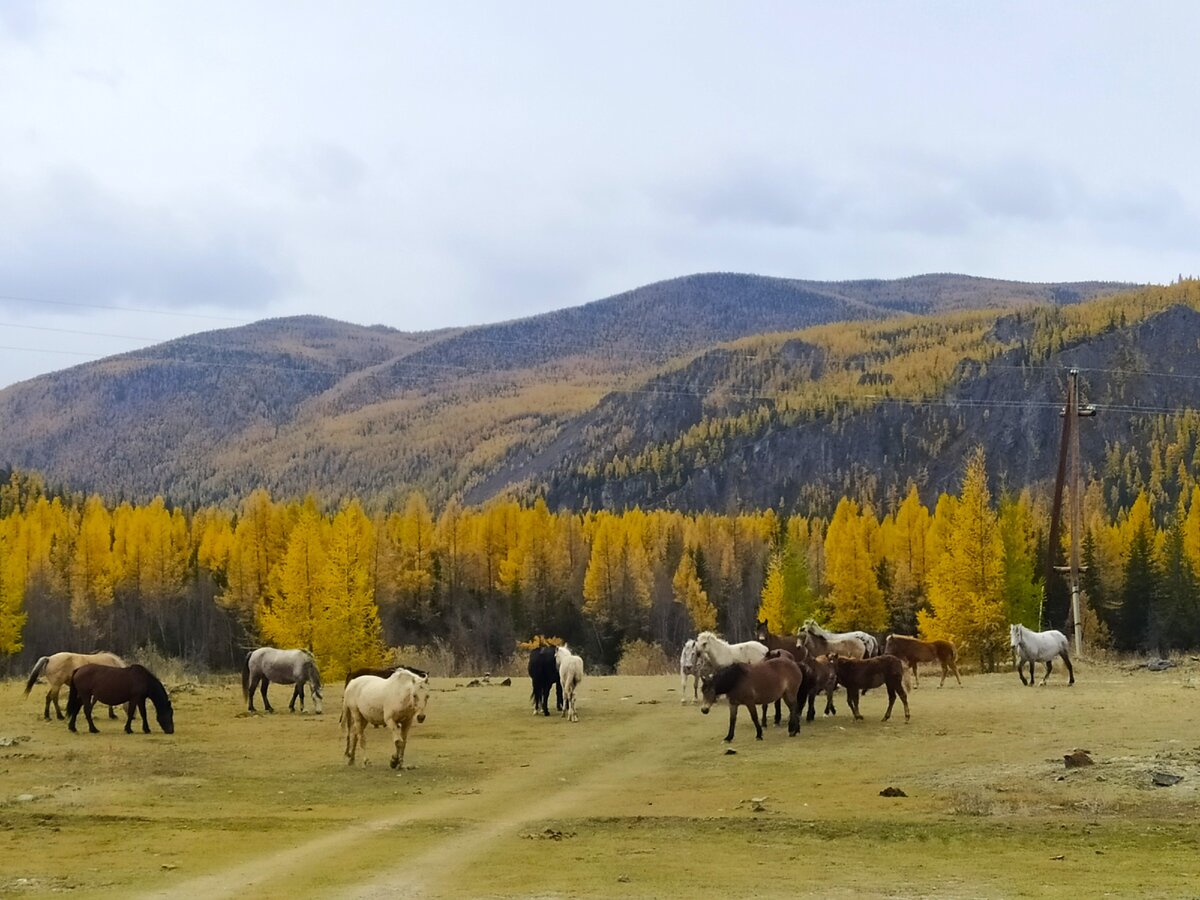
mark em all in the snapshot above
pixel 312 405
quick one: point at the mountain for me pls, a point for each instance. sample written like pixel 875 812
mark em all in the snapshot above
pixel 312 405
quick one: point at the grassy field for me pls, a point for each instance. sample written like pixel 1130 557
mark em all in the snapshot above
pixel 638 799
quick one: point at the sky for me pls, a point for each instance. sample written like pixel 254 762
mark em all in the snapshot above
pixel 173 168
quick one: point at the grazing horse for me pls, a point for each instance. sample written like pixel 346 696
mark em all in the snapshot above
pixel 266 664
pixel 543 672
pixel 854 644
pixel 1039 646
pixel 821 675
pixel 393 701
pixel 58 668
pixel 385 672
pixel 716 653
pixel 913 651
pixel 570 674
pixel 93 683
pixel 691 665
pixel 754 685
pixel 857 675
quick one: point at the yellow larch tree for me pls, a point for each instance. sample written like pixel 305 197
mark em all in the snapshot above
pixel 689 593
pixel 13 572
pixel 297 612
pixel 966 583
pixel 92 566
pixel 350 635
pixel 855 596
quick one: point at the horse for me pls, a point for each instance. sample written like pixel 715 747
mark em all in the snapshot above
pixel 393 701
pixel 690 664
pixel 857 675
pixel 543 673
pixel 854 644
pixel 58 668
pixel 912 651
pixel 266 664
pixel 570 674
pixel 717 654
pixel 108 684
pixel 753 685
pixel 385 672
pixel 822 680
pixel 1039 646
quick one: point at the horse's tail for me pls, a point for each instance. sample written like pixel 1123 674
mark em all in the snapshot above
pixel 344 718
pixel 38 668
pixel 246 676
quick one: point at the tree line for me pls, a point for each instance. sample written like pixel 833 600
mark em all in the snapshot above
pixel 350 584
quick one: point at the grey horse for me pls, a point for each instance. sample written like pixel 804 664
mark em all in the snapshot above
pixel 267 664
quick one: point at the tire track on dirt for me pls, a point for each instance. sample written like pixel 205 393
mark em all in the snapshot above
pixel 501 806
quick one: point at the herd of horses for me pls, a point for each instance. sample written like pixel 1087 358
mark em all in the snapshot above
pixel 789 670
pixel 795 669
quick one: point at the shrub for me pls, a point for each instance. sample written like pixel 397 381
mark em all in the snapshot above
pixel 642 658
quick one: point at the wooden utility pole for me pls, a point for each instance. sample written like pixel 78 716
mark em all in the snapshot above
pixel 1068 451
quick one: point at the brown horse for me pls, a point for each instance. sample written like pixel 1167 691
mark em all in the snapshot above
pixel 857 675
pixel 57 669
pixel 823 678
pixel 92 683
pixel 913 651
pixel 754 685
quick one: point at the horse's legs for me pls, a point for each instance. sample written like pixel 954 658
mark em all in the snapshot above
pixel 129 718
pixel 54 691
pixel 812 704
pixel 903 699
pixel 112 713
pixel 954 669
pixel 683 675
pixel 852 701
pixel 1049 669
pixel 262 687
pixel 401 741
pixel 142 709
pixel 778 712
pixel 733 711
pixel 757 724
pixel 297 691
pixel 87 713
pixel 795 706
pixel 891 702
pixel 917 675
pixel 1070 671
pixel 830 709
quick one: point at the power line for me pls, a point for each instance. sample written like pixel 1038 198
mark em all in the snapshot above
pixel 137 309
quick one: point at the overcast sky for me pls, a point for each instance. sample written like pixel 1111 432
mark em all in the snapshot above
pixel 432 164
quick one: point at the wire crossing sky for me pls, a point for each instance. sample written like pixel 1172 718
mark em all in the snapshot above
pixel 425 165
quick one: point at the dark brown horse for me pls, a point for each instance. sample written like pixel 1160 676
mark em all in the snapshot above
pixel 754 685
pixel 913 651
pixel 857 675
pixel 822 680
pixel 91 684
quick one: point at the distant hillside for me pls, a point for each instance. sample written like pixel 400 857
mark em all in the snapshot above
pixel 309 404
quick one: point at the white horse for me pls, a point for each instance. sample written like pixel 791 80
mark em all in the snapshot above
pixel 690 664
pixel 715 653
pixel 393 701
pixel 854 644
pixel 1038 646
pixel 267 664
pixel 570 674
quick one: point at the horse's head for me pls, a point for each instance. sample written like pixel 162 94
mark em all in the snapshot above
pixel 889 644
pixel 1014 635
pixel 165 715
pixel 762 631
pixel 421 694
pixel 708 692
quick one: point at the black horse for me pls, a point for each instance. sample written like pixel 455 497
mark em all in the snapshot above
pixel 543 672
pixel 130 686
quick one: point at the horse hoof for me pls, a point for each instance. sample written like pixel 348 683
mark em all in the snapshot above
pixel 395 763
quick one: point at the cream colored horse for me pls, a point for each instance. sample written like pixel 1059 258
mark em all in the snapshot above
pixel 393 701
pixel 570 673
pixel 58 669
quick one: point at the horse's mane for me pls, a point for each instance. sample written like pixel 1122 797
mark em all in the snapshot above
pixel 728 677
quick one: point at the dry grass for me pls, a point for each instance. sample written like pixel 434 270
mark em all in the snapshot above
pixel 641 793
